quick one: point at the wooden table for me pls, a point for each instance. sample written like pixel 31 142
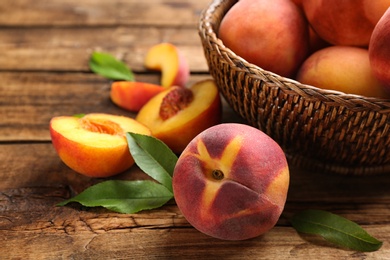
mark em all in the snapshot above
pixel 44 52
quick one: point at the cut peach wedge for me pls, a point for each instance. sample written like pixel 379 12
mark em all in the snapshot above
pixel 178 114
pixel 132 95
pixel 166 57
pixel 94 145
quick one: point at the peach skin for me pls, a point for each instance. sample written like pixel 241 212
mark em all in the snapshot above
pixel 347 22
pixel 231 182
pixel 131 95
pixel 94 145
pixel 249 29
pixel 379 50
pixel 342 68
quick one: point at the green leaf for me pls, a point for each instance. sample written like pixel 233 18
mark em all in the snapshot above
pixel 123 196
pixel 79 115
pixel 153 157
pixel 335 229
pixel 109 67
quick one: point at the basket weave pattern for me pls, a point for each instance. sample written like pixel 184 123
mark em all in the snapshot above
pixel 318 129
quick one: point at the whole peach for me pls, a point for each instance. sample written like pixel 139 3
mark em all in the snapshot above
pixel 374 10
pixel 270 34
pixel 347 22
pixel 231 182
pixel 342 68
pixel 379 50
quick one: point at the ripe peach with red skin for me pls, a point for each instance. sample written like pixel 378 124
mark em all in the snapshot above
pixel 316 42
pixel 94 145
pixel 231 182
pixel 379 50
pixel 374 10
pixel 342 68
pixel 131 95
pixel 348 22
pixel 168 59
pixel 270 34
pixel 178 114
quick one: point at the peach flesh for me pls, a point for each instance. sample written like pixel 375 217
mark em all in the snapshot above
pixel 205 110
pixel 167 58
pixel 94 145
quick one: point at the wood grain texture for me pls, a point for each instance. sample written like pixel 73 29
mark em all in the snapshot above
pixel 30 99
pixel 170 243
pixel 69 49
pixel 45 47
pixel 174 13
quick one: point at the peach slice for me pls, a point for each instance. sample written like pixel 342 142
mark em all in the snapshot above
pixel 167 58
pixel 178 114
pixel 131 95
pixel 94 145
pixel 231 182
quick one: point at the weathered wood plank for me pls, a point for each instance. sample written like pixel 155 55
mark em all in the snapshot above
pixel 34 179
pixel 45 48
pixel 37 166
pixel 173 243
pixel 29 100
pixel 29 218
pixel 100 12
pixel 69 49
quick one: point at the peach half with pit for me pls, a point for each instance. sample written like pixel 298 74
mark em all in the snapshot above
pixel 178 114
pixel 231 182
pixel 94 145
pixel 132 95
pixel 168 59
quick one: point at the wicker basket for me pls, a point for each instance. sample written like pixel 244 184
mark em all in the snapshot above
pixel 321 130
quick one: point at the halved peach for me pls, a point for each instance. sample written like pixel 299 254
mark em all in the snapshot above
pixel 94 145
pixel 178 114
pixel 167 58
pixel 132 95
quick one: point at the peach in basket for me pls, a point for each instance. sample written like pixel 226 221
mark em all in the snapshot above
pixel 319 129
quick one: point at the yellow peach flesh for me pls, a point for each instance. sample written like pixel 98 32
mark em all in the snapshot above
pixel 203 97
pixel 94 145
pixel 166 58
pixel 177 131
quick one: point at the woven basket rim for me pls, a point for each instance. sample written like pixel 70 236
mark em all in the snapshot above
pixel 356 102
pixel 227 67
